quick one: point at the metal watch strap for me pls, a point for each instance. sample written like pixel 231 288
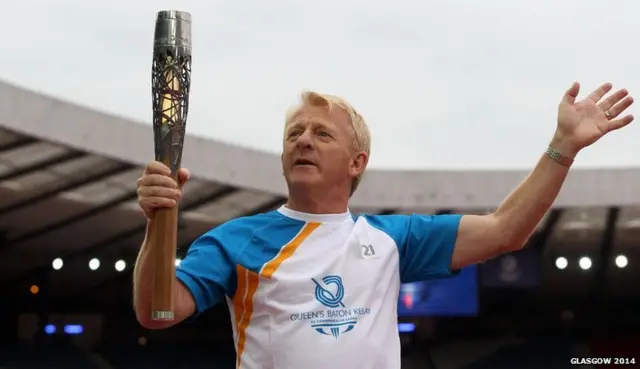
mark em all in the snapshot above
pixel 558 157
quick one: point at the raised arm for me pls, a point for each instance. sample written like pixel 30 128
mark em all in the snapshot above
pixel 204 276
pixel 580 124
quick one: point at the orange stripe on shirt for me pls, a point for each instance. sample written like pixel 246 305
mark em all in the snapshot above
pixel 243 307
pixel 288 250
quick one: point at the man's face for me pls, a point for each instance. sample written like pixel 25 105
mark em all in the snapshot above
pixel 319 149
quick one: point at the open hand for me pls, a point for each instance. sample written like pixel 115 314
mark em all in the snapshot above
pixel 582 123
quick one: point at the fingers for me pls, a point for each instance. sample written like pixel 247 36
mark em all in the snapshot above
pixel 156 167
pixel 160 180
pixel 156 189
pixel 572 93
pixel 151 198
pixel 610 101
pixel 148 204
pixel 619 123
pixel 183 176
pixel 596 95
pixel 158 186
pixel 613 106
pixel 619 107
pixel 159 192
pixel 617 110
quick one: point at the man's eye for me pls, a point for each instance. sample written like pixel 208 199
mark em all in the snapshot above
pixel 324 134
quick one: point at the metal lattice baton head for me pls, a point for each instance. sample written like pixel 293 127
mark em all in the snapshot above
pixel 170 85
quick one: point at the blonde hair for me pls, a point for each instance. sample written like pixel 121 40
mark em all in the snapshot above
pixel 362 141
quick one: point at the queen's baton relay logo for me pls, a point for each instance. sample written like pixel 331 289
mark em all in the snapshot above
pixel 337 318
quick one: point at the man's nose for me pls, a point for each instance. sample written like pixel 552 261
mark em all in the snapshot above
pixel 304 141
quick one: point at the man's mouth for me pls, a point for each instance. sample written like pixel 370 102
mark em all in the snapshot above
pixel 303 162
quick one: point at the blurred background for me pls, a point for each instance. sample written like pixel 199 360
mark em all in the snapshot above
pixel 75 133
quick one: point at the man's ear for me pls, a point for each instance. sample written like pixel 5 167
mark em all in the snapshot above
pixel 359 164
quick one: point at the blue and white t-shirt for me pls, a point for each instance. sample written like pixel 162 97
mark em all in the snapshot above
pixel 316 291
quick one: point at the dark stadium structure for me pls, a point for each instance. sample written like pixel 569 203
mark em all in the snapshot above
pixel 68 190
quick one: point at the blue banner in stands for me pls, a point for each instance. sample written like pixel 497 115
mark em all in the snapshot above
pixel 454 296
pixel 517 270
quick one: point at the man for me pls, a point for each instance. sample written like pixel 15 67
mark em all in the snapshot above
pixel 311 286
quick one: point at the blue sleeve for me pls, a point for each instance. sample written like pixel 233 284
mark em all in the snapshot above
pixel 425 243
pixel 208 271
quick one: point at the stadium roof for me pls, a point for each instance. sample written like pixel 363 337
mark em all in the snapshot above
pixel 68 176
